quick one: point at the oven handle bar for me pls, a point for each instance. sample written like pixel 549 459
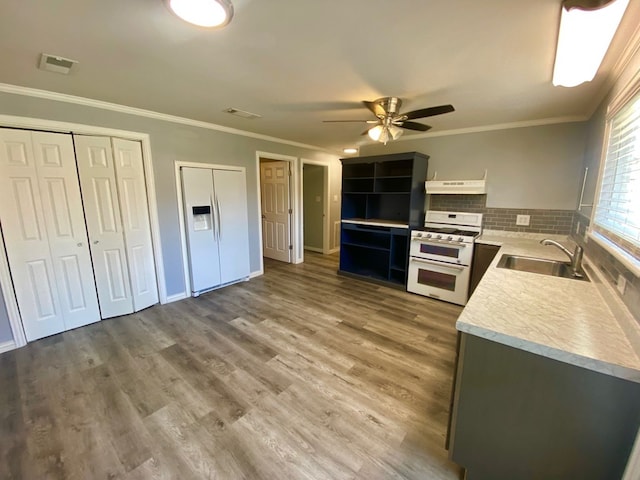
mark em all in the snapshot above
pixel 448 242
pixel 438 264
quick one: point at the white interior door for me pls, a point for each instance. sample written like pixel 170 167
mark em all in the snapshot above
pixel 230 200
pixel 276 219
pixel 25 236
pixel 104 224
pixel 135 220
pixel 64 219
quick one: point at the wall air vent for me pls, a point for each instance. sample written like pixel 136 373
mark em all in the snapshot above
pixel 242 113
pixel 53 63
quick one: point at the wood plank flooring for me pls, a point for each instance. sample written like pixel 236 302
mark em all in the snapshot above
pixel 297 374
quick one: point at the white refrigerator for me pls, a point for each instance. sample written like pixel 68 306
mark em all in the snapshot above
pixel 217 226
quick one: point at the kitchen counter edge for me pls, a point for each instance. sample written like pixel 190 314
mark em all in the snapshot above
pixel 579 323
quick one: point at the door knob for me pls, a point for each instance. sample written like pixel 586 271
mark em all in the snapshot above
pixel 79 244
pixel 264 216
pixel 95 242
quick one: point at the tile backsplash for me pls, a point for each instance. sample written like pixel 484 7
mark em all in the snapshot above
pixel 558 222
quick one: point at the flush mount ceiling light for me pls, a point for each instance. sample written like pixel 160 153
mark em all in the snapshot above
pixel 203 13
pixel 350 150
pixel 586 30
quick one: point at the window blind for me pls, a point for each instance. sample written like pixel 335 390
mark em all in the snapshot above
pixel 618 207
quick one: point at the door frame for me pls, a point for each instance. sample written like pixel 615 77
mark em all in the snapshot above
pixel 28 123
pixel 294 200
pixel 326 224
pixel 183 231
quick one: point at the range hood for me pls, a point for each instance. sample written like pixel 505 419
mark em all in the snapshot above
pixel 457 187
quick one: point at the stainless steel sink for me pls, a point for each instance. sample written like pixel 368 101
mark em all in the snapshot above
pixel 541 266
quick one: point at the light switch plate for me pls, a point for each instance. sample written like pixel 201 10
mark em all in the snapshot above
pixel 622 284
pixel 523 220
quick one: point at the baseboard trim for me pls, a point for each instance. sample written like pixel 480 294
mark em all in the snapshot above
pixel 7 346
pixel 176 297
pixel 334 250
pixel 314 249
pixel 257 273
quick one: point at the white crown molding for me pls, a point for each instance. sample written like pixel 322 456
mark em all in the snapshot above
pixel 489 128
pixel 619 67
pixel 628 53
pixel 114 107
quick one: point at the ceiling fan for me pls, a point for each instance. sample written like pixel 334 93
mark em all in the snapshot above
pixel 390 121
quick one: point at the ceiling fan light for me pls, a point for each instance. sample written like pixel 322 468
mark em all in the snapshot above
pixel 375 133
pixel 583 41
pixel 203 13
pixel 396 132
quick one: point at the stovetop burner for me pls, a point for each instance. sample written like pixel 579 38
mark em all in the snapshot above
pixel 449 231
pixel 453 231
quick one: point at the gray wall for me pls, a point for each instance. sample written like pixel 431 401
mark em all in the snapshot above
pixel 171 142
pixel 608 264
pixel 5 328
pixel 313 201
pixel 529 167
pixel 596 131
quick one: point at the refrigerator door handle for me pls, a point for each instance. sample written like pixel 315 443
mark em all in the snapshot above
pixel 219 220
pixel 213 218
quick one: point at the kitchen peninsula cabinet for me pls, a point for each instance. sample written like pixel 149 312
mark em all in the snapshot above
pixel 383 197
pixel 518 415
pixel 483 255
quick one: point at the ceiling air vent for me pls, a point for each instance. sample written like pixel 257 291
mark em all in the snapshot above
pixel 242 113
pixel 53 63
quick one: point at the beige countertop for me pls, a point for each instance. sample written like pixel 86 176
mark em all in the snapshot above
pixel 576 322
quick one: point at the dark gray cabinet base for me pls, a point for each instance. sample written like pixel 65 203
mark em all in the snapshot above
pixel 522 416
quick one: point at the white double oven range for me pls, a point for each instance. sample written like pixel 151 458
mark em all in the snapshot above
pixel 440 255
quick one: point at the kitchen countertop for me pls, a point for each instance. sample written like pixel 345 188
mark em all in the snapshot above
pixel 576 322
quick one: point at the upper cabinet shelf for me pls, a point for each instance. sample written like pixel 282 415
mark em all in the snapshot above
pixel 387 187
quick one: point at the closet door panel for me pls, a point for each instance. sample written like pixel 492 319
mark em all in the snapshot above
pixel 129 169
pixel 103 218
pixel 25 236
pixel 66 230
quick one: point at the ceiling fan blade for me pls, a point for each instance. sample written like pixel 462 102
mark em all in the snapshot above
pixel 414 126
pixel 376 108
pixel 347 121
pixel 428 112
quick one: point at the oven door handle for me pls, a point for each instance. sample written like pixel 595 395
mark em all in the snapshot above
pixel 453 243
pixel 438 264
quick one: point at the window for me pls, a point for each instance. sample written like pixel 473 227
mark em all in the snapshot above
pixel 617 214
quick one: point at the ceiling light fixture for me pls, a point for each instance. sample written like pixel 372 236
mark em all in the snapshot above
pixel 384 133
pixel 586 30
pixel 350 150
pixel 203 13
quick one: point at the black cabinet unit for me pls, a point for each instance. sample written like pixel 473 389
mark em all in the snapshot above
pixel 383 197
pixel 483 255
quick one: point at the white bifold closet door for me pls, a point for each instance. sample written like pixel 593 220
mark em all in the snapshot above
pixel 44 232
pixel 114 194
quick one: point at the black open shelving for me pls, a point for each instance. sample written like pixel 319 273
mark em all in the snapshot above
pixel 382 199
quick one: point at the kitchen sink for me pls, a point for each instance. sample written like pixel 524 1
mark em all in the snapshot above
pixel 540 265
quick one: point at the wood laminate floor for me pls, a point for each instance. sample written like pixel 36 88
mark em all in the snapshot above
pixel 297 374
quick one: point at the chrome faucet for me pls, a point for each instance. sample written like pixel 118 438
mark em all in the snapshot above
pixel 575 257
